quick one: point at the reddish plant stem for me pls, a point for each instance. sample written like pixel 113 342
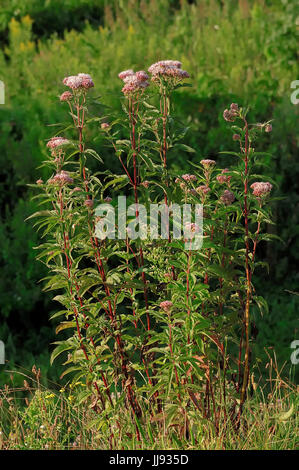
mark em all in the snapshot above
pixel 135 180
pixel 248 274
pixel 188 288
pixel 222 264
pixel 171 353
pixel 76 314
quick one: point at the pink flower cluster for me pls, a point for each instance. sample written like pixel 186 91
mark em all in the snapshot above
pixel 230 114
pixel 227 197
pixel 168 69
pixel 66 96
pixel 189 178
pixel 88 203
pixel 133 81
pixel 166 305
pixel 207 164
pixel 223 178
pixel 61 178
pixel 76 189
pixel 261 189
pixel 268 128
pixel 81 81
pixel 203 189
pixel 55 142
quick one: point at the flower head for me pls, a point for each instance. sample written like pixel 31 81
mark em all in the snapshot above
pixel 228 115
pixel 207 164
pixel 268 128
pixel 133 81
pixel 66 96
pixel 88 203
pixel 234 107
pixel 61 178
pixel 227 197
pixel 73 81
pixel 223 178
pixel 189 178
pixel 80 81
pixel 168 69
pixel 55 142
pixel 203 189
pixel 261 189
pixel 166 305
pixel 105 125
pixel 125 74
pixel 142 76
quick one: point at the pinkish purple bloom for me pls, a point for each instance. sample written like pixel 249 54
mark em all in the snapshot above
pixel 168 69
pixel 268 128
pixel 125 74
pixel 55 142
pixel 66 96
pixel 228 115
pixel 61 178
pixel 88 203
pixel 105 125
pixel 142 76
pixel 189 178
pixel 223 178
pixel 80 81
pixel 134 81
pixel 203 189
pixel 261 189
pixel 227 197
pixel 208 163
pixel 234 107
pixel 166 305
pixel 74 82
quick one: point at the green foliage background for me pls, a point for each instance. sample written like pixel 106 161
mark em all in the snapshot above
pixel 242 51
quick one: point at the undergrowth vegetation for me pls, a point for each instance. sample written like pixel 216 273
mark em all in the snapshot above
pixel 34 417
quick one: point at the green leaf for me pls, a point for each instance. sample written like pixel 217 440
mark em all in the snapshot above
pixel 184 147
pixel 287 415
pixel 64 325
pixel 62 346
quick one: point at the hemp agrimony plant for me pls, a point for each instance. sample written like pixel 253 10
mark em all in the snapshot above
pixel 158 326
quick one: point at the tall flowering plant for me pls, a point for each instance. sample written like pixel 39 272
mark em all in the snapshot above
pixel 159 325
